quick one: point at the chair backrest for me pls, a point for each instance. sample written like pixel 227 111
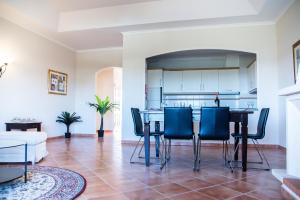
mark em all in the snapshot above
pixel 262 121
pixel 214 123
pixel 137 122
pixel 178 123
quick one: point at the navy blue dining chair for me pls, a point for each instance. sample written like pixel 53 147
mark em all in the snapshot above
pixel 214 125
pixel 139 131
pixel 259 135
pixel 178 125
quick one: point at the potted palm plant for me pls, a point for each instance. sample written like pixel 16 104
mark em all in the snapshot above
pixel 68 119
pixel 102 106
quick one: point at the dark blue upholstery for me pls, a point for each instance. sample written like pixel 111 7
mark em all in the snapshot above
pixel 178 123
pixel 261 126
pixel 138 124
pixel 214 123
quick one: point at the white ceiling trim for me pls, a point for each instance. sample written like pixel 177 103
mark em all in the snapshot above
pixel 264 23
pixel 153 12
pixel 100 49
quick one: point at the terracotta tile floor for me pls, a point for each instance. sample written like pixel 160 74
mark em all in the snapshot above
pixel 105 165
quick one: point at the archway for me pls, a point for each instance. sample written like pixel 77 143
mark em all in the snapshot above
pixel 198 77
pixel 109 83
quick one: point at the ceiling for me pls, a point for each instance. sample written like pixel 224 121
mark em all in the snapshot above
pixel 71 5
pixel 90 24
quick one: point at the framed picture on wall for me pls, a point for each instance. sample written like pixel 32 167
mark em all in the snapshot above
pixel 57 82
pixel 296 57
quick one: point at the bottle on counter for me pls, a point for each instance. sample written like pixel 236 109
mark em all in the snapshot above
pixel 217 101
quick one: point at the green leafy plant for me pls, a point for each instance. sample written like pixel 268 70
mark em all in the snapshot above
pixel 102 106
pixel 68 119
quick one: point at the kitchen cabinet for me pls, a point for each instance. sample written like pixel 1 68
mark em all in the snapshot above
pixel 154 78
pixel 229 80
pixel 209 81
pixel 172 81
pixel 191 81
pixel 251 74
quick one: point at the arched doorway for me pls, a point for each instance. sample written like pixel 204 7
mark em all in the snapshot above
pixel 109 83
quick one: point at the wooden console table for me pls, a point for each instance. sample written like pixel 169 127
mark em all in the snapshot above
pixel 23 125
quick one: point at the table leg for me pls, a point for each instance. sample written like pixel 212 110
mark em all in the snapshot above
pixel 236 140
pixel 39 128
pixel 25 172
pixel 147 143
pixel 244 142
pixel 157 140
pixel 8 127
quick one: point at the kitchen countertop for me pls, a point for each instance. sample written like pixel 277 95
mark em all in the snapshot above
pixel 197 110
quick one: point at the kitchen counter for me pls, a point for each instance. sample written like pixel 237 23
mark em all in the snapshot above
pixel 157 115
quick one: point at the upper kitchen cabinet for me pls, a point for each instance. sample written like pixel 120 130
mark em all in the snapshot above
pixel 172 81
pixel 251 73
pixel 210 81
pixel 155 78
pixel 191 81
pixel 229 80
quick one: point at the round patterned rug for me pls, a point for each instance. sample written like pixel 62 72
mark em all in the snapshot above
pixel 44 183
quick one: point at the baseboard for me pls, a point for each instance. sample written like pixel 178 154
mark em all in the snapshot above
pixel 206 144
pixel 73 135
pixel 282 148
pixel 80 135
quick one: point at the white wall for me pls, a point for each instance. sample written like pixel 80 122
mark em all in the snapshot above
pixel 88 63
pixel 288 32
pixel 256 39
pixel 23 87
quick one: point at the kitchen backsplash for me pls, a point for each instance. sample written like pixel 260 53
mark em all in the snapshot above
pixel 197 101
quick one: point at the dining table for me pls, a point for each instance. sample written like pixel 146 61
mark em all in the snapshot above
pixel 238 116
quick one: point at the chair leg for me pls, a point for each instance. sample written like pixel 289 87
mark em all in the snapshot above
pixel 198 155
pixel 139 155
pixel 157 146
pixel 256 147
pixel 236 149
pixel 137 144
pixel 163 158
pixel 227 153
pixel 263 154
pixel 194 150
pixel 194 146
pixel 169 150
pixel 260 153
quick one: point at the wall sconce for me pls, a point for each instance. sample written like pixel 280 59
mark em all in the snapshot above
pixel 3 68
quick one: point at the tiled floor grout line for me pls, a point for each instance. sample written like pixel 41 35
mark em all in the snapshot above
pixel 153 172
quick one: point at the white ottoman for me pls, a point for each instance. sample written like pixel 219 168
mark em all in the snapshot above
pixel 36 143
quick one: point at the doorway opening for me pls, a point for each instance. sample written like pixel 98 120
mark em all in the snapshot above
pixel 109 84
